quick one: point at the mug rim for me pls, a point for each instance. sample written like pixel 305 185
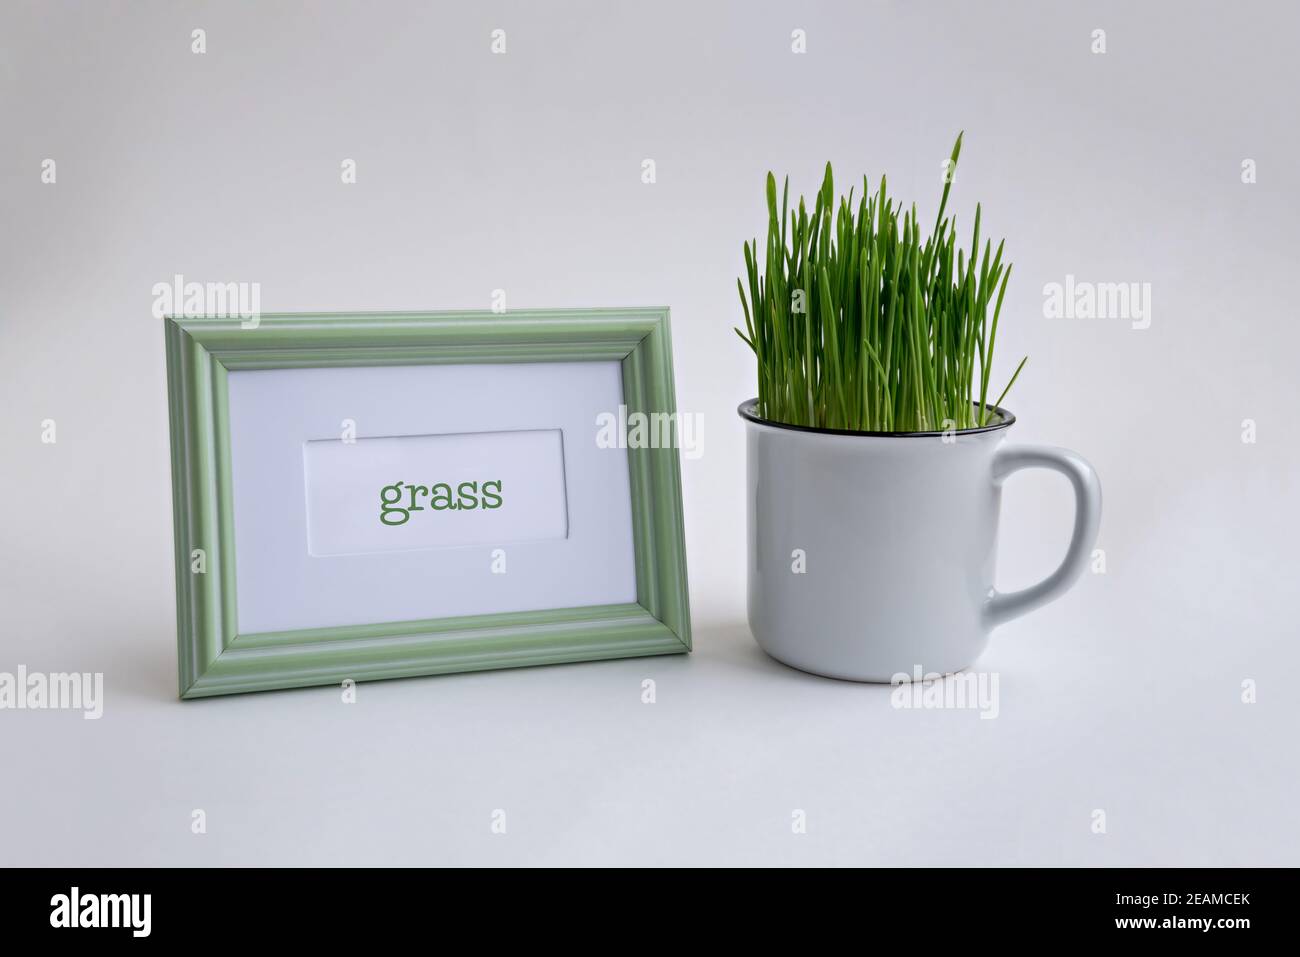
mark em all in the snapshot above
pixel 747 412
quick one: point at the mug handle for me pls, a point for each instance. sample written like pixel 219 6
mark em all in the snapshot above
pixel 1003 606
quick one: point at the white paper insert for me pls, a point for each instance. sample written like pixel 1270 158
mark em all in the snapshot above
pixel 402 493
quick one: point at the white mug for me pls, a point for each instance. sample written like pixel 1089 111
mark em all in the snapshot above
pixel 872 554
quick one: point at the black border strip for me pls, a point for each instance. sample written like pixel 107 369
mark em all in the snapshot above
pixel 302 907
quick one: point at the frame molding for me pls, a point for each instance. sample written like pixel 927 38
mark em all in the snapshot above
pixel 213 659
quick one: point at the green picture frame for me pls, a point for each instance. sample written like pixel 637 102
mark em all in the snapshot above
pixel 213 659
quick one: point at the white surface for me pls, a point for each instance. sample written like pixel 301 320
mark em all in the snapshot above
pixel 523 172
pixel 580 554
pixel 409 492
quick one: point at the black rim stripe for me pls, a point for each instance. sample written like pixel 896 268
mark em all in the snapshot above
pixel 747 411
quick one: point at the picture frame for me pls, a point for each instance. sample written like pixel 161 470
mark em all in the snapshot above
pixel 208 363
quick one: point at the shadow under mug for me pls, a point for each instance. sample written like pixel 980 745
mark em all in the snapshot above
pixel 873 554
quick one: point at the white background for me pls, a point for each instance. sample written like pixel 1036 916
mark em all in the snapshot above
pixel 523 172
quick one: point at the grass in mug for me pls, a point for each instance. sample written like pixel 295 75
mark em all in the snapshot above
pixel 860 323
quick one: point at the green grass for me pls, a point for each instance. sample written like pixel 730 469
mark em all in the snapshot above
pixel 861 323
